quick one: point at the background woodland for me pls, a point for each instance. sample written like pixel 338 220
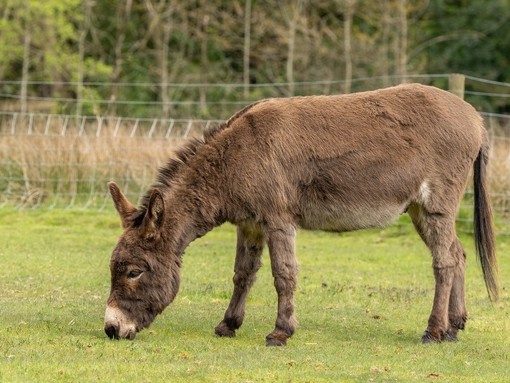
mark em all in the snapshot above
pixel 87 56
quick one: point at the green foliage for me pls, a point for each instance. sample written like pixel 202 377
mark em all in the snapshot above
pixel 51 26
pixel 171 41
pixel 362 302
pixel 464 37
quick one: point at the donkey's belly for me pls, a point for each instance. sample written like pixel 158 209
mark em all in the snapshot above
pixel 338 218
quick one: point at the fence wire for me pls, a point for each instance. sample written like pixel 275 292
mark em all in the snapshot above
pixel 214 100
pixel 66 161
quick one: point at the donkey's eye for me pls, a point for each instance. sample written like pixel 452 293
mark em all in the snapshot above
pixel 135 274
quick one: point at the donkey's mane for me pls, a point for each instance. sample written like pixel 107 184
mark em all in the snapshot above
pixel 212 132
pixel 183 154
pixel 167 173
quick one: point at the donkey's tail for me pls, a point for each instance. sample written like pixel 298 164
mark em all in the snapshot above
pixel 483 225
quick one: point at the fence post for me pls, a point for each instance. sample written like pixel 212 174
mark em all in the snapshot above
pixel 456 83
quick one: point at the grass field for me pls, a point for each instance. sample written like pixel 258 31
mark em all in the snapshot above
pixel 362 302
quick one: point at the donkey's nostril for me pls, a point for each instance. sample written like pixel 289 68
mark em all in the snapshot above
pixel 112 332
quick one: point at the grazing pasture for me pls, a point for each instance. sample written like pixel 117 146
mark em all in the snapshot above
pixel 361 299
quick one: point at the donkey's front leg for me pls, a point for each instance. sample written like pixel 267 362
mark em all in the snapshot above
pixel 284 268
pixel 250 243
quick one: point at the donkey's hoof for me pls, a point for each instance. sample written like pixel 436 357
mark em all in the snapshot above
pixel 222 330
pixel 450 336
pixel 428 338
pixel 276 340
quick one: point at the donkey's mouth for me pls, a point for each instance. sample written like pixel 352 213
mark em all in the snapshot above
pixel 113 332
pixel 117 325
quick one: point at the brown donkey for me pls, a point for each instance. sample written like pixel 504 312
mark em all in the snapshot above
pixel 335 163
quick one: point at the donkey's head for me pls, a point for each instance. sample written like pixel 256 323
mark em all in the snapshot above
pixel 144 268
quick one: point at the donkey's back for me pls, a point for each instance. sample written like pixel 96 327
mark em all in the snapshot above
pixel 355 161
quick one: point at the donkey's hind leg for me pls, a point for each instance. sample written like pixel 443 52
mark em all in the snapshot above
pixel 250 243
pixel 457 313
pixel 438 232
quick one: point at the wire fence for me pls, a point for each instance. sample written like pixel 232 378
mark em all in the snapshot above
pixel 64 160
pixel 210 100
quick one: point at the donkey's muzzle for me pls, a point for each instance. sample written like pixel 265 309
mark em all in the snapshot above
pixel 113 332
pixel 117 325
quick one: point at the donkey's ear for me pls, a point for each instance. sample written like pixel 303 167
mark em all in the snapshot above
pixel 123 206
pixel 154 216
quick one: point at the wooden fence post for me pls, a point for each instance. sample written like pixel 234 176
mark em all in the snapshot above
pixel 456 84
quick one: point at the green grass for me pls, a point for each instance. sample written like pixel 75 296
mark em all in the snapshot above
pixel 362 302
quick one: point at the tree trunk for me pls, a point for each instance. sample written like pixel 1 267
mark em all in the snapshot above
pixel 122 19
pixel 26 65
pixel 401 47
pixel 246 53
pixel 204 65
pixel 349 12
pixel 385 42
pixel 293 20
pixel 163 68
pixel 159 31
pixel 81 57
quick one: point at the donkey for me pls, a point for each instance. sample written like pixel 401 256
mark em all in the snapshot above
pixel 336 163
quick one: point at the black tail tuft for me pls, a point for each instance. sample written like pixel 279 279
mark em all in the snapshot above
pixel 483 226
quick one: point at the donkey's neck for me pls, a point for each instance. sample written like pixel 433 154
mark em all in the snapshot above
pixel 193 208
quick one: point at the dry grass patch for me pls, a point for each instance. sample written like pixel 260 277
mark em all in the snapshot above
pixel 67 161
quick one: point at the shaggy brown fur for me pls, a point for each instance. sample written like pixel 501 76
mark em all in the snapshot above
pixel 335 163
